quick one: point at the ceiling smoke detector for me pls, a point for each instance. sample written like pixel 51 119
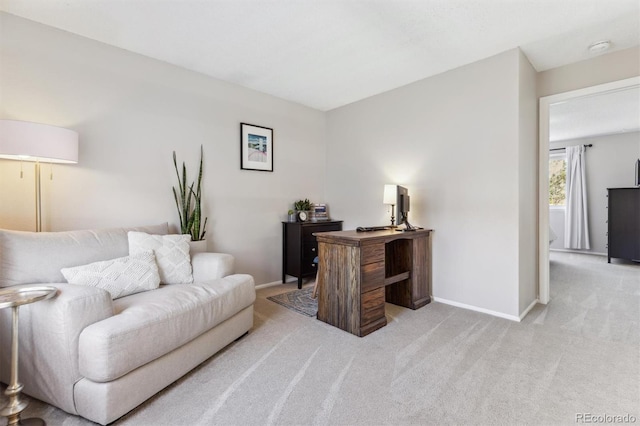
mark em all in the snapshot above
pixel 599 46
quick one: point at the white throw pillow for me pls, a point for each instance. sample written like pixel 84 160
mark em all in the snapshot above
pixel 172 255
pixel 120 277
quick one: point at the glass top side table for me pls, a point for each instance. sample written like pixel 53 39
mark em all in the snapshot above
pixel 14 297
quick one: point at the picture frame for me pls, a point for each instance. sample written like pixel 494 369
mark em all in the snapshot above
pixel 256 147
pixel 320 212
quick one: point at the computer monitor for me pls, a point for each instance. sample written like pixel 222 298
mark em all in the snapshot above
pixel 404 205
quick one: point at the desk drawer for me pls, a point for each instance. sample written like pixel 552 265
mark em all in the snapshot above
pixel 372 307
pixel 372 276
pixel 372 253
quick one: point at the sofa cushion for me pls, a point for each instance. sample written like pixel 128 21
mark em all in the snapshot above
pixel 21 252
pixel 120 277
pixel 150 324
pixel 172 255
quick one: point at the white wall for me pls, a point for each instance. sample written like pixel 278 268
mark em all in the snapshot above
pixel 601 69
pixel 454 141
pixel 609 163
pixel 461 141
pixel 131 112
pixel 528 184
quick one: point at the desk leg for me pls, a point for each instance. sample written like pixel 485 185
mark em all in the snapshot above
pixel 421 272
pixel 415 256
pixel 339 298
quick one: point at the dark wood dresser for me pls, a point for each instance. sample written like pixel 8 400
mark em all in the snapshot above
pixel 299 247
pixel 623 236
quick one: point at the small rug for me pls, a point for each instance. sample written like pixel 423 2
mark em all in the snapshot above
pixel 299 301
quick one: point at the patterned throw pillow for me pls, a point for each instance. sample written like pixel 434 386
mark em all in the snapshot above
pixel 120 277
pixel 172 255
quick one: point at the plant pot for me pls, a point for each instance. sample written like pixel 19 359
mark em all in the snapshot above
pixel 197 246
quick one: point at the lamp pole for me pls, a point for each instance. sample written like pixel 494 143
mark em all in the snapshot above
pixel 393 218
pixel 38 198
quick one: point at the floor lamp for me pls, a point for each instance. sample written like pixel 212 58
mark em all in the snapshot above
pixel 39 143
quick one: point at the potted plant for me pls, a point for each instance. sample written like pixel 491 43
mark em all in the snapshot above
pixel 189 205
pixel 303 209
pixel 292 215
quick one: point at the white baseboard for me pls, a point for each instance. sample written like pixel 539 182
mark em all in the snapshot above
pixel 440 300
pixel 595 253
pixel 526 311
pixel 477 309
pixel 265 285
pixel 488 311
pixel 274 283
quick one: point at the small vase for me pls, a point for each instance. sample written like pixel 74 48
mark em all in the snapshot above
pixel 292 217
pixel 197 246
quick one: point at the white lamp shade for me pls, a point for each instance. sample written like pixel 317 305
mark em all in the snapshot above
pixel 390 194
pixel 23 140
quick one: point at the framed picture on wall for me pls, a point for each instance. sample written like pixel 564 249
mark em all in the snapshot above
pixel 256 148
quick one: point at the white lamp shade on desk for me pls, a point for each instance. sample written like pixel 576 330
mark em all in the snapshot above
pixel 390 194
pixel 26 141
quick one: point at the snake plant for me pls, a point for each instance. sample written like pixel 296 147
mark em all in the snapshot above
pixel 188 202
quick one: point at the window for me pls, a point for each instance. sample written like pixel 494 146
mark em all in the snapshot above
pixel 557 180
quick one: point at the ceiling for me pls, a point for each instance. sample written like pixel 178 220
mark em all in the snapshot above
pixel 617 111
pixel 329 53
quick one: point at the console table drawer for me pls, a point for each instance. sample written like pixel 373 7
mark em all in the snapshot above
pixel 372 307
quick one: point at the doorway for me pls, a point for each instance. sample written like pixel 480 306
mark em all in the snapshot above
pixel 543 170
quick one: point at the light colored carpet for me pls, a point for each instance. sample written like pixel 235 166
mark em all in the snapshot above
pixel 437 365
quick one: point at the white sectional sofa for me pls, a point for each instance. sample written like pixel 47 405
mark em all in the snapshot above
pixel 99 358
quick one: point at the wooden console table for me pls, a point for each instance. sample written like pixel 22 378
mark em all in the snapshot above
pixel 359 271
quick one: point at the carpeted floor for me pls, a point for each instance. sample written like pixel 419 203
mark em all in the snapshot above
pixel 438 365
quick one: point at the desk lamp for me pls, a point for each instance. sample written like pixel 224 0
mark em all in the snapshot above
pixel 390 197
pixel 26 141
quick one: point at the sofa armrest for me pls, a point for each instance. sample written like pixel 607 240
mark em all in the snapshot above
pixel 211 266
pixel 48 341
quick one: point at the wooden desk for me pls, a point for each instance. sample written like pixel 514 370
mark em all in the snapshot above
pixel 359 271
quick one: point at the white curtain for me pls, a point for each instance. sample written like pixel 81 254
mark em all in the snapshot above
pixel 576 231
